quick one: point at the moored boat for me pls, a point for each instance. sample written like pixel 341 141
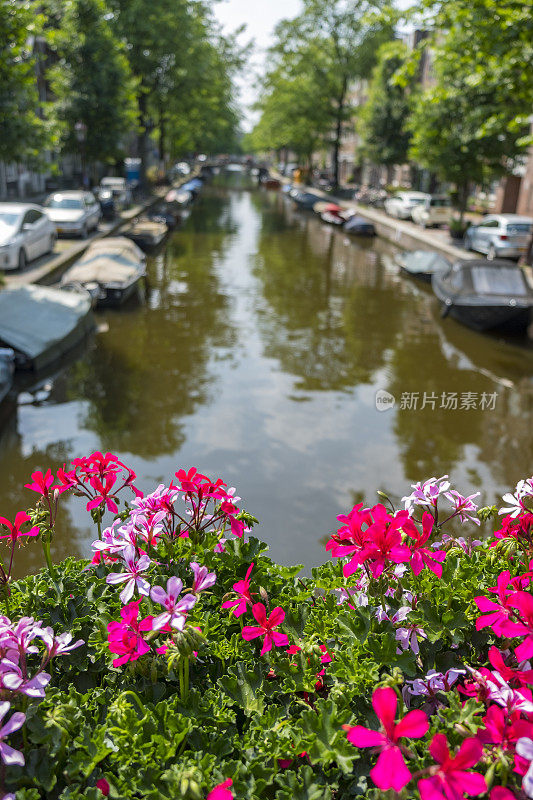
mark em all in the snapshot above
pixel 42 324
pixel 359 226
pixel 486 295
pixel 110 270
pixel 306 200
pixel 422 264
pixel 146 233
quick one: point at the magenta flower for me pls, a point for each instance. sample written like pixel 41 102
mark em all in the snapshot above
pixel 266 628
pixel 452 780
pixel 384 545
pixel 496 614
pixel 176 611
pixel 390 771
pixel 202 578
pixel 132 576
pixel 244 597
pixel 41 483
pixel 222 791
pixel 422 556
pixel 14 528
pixel 125 638
pixel 7 754
pixel 524 748
pixel 523 603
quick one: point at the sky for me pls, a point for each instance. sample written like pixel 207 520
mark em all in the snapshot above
pixel 260 18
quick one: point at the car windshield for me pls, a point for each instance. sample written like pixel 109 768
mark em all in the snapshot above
pixel 70 203
pixel 9 219
pixel 518 227
pixel 411 199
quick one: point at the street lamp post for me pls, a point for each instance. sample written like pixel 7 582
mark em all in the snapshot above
pixel 80 130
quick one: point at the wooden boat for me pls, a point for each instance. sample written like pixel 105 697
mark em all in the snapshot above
pixel 42 324
pixel 110 270
pixel 146 233
pixel 486 295
pixel 422 264
pixel 359 226
pixel 271 183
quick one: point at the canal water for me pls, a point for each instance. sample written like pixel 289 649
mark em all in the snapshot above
pixel 266 351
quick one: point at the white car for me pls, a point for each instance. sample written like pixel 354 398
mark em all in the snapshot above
pixel 74 213
pixel 25 234
pixel 403 203
pixel 436 210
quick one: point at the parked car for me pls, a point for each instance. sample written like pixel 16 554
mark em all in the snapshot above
pixel 25 233
pixel 402 204
pixel 120 191
pixel 436 210
pixel 74 213
pixel 500 235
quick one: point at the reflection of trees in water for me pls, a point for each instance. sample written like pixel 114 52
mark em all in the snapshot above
pixel 331 312
pixel 16 467
pixel 433 441
pixel 149 370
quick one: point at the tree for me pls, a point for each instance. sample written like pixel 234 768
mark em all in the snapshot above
pixel 460 133
pixel 383 122
pixel 92 83
pixel 294 115
pixel 336 42
pixel 23 132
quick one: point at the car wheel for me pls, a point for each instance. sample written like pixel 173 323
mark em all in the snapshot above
pixel 52 244
pixel 84 232
pixel 491 255
pixel 22 259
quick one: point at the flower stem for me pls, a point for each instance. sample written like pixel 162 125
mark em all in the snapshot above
pixel 99 523
pixel 46 550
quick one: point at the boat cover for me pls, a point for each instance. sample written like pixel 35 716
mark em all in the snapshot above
pixel 115 260
pixel 423 261
pixel 42 323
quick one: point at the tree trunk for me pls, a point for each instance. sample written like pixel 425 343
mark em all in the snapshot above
pixel 142 138
pixel 462 192
pixel 338 134
pixel 162 152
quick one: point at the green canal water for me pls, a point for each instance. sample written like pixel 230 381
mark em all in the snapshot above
pixel 256 355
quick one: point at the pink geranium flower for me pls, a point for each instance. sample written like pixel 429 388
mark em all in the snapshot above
pixel 244 596
pixel 7 754
pixel 422 556
pixel 266 628
pixel 132 576
pixel 15 528
pixel 390 771
pixel 176 610
pixel 451 780
pixel 222 791
pixel 202 578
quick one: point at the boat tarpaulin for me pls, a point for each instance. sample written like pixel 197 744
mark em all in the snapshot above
pixel 42 323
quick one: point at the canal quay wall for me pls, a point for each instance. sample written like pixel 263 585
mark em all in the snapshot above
pixel 51 271
pixel 401 233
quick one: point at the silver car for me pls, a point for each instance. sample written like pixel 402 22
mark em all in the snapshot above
pixel 74 213
pixel 25 234
pixel 500 235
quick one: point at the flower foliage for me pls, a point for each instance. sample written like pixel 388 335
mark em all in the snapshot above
pixel 194 667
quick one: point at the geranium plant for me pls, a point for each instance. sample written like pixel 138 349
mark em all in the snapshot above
pixel 180 661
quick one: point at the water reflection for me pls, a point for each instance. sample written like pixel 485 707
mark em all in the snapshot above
pixel 256 355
